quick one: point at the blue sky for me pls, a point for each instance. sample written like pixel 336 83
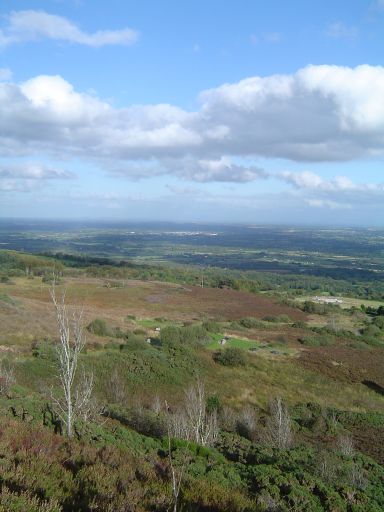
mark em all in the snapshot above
pixel 246 111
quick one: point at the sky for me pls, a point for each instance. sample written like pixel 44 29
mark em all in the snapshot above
pixel 246 111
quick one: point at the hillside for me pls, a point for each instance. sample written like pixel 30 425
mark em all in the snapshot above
pixel 150 346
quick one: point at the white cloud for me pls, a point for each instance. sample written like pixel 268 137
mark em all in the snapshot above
pixel 219 170
pixel 338 30
pixel 33 25
pixel 320 113
pixel 29 176
pixel 33 171
pixel 5 74
pixel 310 181
pixel 339 192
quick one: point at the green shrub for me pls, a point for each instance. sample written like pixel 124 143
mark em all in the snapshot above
pixel 99 327
pixel 25 501
pixel 250 323
pixel 285 319
pixel 379 322
pixel 231 356
pixel 317 341
pixel 211 326
pixel 300 325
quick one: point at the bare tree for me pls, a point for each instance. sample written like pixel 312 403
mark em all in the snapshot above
pixel 345 445
pixel 278 426
pixel 177 467
pixel 201 426
pixel 7 378
pixel 72 342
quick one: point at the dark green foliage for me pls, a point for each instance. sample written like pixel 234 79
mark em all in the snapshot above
pixel 277 318
pixel 319 308
pixel 250 323
pixel 99 327
pixel 379 322
pixel 192 335
pixel 211 326
pixel 44 349
pixel 321 340
pixel 213 404
pixel 231 356
pixel 299 325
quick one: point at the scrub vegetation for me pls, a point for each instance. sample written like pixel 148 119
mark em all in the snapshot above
pixel 138 386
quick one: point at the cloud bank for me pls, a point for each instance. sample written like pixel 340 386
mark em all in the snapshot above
pixel 319 113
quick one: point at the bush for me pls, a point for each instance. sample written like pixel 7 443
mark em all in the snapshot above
pixel 189 335
pixel 317 341
pixel 371 331
pixel 379 322
pixel 250 323
pixel 211 326
pixel 277 318
pixel 299 324
pixel 99 327
pixel 231 356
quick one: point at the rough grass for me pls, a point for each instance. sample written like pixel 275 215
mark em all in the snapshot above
pixel 148 371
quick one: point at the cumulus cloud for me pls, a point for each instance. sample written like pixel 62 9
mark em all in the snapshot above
pixel 222 169
pixel 339 192
pixel 319 113
pixel 30 25
pixel 310 180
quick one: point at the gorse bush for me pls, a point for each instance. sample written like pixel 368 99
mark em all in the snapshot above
pixel 317 340
pixel 192 335
pixel 231 356
pixel 99 327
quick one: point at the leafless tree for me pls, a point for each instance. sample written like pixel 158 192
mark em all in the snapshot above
pixel 7 378
pixel 278 425
pixel 345 445
pixel 202 426
pixel 75 401
pixel 177 467
pixel 192 421
pixel 116 389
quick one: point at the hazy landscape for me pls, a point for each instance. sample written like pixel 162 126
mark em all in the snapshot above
pixel 191 256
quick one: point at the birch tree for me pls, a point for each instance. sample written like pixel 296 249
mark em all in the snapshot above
pixel 278 426
pixel 192 421
pixel 74 400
